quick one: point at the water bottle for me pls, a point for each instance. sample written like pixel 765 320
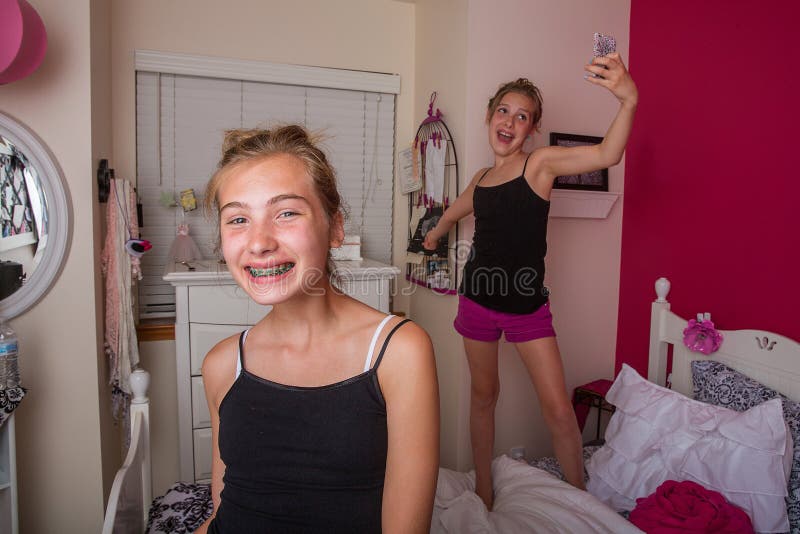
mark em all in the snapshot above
pixel 9 349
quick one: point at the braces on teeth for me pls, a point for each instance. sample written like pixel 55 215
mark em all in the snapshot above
pixel 271 271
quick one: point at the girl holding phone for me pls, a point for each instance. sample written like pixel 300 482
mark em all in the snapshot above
pixel 503 283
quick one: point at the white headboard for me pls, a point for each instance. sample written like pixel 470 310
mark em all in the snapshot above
pixel 770 358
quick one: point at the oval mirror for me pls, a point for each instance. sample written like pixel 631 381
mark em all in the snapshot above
pixel 35 218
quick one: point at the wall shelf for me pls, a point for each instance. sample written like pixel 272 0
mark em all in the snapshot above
pixel 581 204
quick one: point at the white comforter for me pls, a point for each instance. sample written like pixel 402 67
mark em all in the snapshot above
pixel 527 500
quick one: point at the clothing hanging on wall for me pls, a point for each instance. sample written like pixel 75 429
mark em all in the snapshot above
pixel 120 268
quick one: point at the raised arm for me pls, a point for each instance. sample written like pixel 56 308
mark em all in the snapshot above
pixel 457 211
pixel 218 376
pixel 407 377
pixel 564 161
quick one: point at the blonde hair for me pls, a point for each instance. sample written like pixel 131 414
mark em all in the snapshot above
pixel 246 145
pixel 521 86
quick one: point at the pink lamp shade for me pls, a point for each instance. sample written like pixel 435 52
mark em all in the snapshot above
pixel 23 40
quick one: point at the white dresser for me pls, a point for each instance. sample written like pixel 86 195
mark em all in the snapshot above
pixel 210 307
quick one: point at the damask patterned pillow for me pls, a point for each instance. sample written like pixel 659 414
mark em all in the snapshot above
pixel 181 510
pixel 718 384
pixel 9 400
pixel 551 465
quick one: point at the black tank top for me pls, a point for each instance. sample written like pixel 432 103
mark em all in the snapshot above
pixel 505 269
pixel 303 459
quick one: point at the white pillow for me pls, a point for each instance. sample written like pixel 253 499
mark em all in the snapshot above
pixel 657 434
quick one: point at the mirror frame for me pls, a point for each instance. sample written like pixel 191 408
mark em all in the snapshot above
pixel 59 212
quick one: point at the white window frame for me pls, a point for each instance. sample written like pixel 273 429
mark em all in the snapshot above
pixel 262 71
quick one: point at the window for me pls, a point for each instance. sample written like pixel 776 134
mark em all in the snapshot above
pixel 185 103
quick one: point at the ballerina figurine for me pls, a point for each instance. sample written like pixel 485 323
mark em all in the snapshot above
pixel 183 247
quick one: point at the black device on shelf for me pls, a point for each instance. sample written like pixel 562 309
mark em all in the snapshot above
pixel 11 278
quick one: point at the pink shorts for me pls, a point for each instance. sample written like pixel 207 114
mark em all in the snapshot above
pixel 476 322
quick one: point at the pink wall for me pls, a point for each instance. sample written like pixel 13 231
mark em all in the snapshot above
pixel 712 178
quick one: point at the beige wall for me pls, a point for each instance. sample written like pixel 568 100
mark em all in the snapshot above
pixel 59 441
pixel 158 358
pixel 111 434
pixel 441 66
pixel 548 42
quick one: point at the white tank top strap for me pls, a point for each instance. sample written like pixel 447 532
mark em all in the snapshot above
pixel 239 356
pixel 377 333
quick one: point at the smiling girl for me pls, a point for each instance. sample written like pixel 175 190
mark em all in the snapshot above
pixel 325 413
pixel 503 284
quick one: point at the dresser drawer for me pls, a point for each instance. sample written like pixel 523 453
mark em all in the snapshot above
pixel 223 304
pixel 202 337
pixel 202 454
pixel 201 418
pixel 372 292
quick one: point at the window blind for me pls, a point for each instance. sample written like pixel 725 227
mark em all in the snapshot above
pixel 180 122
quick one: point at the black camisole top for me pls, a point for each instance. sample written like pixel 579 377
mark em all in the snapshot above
pixel 302 459
pixel 505 269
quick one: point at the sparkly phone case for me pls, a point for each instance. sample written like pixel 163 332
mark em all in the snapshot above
pixel 603 45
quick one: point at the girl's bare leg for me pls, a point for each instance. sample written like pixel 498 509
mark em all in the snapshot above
pixel 484 391
pixel 543 361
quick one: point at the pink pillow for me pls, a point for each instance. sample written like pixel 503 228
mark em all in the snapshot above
pixel 688 508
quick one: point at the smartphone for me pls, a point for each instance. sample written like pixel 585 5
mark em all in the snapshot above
pixel 603 45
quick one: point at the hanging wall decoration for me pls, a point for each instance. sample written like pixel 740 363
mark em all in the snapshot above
pixel 429 175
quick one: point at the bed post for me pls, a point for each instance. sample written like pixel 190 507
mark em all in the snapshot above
pixel 657 361
pixel 140 403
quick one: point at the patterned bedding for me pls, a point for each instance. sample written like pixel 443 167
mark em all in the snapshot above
pixel 181 510
pixel 550 464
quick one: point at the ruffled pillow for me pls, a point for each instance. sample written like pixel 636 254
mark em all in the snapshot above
pixel 716 383
pixel 657 434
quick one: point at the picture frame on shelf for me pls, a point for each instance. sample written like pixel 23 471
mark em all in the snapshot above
pixel 588 181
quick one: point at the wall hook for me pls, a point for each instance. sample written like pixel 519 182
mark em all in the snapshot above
pixel 103 180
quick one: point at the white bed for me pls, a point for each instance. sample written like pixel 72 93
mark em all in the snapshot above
pixel 527 500
pixel 769 358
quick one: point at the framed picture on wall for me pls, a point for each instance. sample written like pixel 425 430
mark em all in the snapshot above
pixel 589 181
